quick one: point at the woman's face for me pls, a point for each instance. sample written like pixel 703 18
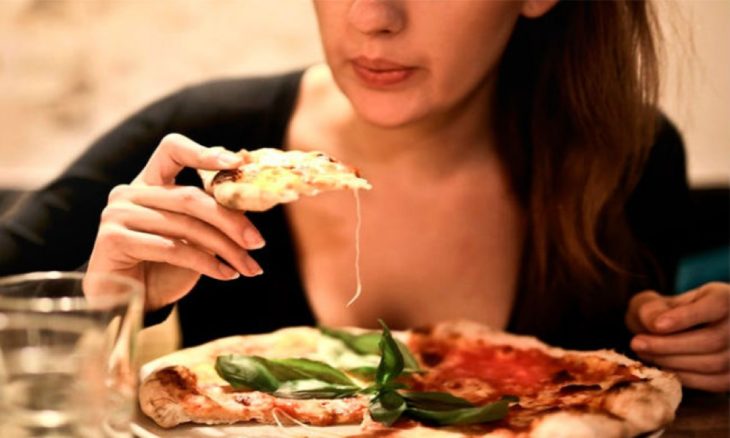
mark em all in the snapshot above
pixel 399 61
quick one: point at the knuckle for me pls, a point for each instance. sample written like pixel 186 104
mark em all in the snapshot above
pixel 170 140
pixel 647 310
pixel 716 286
pixel 642 297
pixel 118 192
pixel 190 193
pixel 189 196
pixel 721 300
pixel 113 212
pixel 169 249
pixel 113 235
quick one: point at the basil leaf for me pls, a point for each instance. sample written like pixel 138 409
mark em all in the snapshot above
pixel 481 414
pixel 301 369
pixel 246 372
pixel 308 389
pixel 435 401
pixel 410 364
pixel 268 375
pixel 366 343
pixel 366 372
pixel 391 360
pixel 369 343
pixel 387 407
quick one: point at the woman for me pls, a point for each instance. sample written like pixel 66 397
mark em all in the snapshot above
pixel 510 147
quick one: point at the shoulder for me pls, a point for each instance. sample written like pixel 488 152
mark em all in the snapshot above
pixel 658 209
pixel 664 173
pixel 236 112
pixel 216 100
pixel 246 92
pixel 667 152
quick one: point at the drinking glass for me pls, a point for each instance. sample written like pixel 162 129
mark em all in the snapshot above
pixel 66 354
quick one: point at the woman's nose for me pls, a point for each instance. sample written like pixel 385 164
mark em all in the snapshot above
pixel 377 17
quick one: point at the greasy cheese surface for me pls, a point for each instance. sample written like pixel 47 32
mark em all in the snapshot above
pixel 298 342
pixel 305 172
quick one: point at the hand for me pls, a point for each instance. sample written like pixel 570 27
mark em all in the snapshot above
pixel 166 235
pixel 687 334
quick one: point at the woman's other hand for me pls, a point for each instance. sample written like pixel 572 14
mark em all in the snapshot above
pixel 688 334
pixel 166 235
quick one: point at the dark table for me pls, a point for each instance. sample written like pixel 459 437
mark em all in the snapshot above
pixel 701 415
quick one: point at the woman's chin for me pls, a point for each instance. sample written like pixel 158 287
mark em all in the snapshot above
pixel 388 116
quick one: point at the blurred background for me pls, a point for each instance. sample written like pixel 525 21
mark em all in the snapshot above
pixel 70 69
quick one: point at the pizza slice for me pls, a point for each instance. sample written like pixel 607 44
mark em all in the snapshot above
pixel 271 176
pixel 454 379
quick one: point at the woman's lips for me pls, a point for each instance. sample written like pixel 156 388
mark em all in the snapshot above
pixel 381 73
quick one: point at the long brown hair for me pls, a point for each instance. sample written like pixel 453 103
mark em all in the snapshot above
pixel 576 94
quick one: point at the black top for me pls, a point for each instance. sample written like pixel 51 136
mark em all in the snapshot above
pixel 55 227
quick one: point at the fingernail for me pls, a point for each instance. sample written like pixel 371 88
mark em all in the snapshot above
pixel 228 158
pixel 228 272
pixel 640 345
pixel 253 239
pixel 664 323
pixel 253 268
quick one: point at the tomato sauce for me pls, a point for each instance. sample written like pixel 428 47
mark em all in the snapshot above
pixel 507 370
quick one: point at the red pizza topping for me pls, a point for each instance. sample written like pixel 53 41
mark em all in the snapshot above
pixel 482 372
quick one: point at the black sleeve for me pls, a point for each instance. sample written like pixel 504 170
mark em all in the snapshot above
pixel 659 209
pixel 54 227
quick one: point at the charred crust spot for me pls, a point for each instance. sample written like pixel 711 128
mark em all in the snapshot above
pixel 431 358
pixel 578 408
pixel 618 386
pixel 227 175
pixel 178 377
pixel 572 389
pixel 243 400
pixel 562 376
pixel 550 410
pixel 423 330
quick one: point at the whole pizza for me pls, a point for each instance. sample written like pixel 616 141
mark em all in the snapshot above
pixel 452 379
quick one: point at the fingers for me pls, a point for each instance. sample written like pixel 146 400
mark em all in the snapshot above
pixel 644 308
pixel 193 202
pixel 181 227
pixel 706 382
pixel 708 304
pixel 699 363
pixel 688 334
pixel 176 152
pixel 710 339
pixel 136 245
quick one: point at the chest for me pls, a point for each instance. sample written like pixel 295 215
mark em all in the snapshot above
pixel 422 251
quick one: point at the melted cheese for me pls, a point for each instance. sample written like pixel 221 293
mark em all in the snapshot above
pixel 358 225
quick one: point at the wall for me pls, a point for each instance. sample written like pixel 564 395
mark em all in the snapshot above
pixel 70 69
